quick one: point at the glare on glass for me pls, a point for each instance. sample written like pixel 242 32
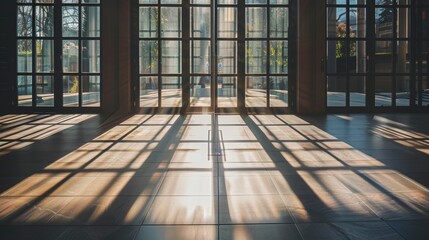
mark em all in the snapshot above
pixel 90 88
pixel 25 91
pixel 44 91
pixel 149 91
pixel 71 91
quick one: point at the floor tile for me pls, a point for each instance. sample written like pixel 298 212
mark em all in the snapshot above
pixel 103 211
pixel 183 210
pixel 324 207
pixel 347 230
pixel 398 206
pixel 196 232
pixel 411 230
pixel 253 209
pixel 245 185
pixel 259 232
pixel 189 185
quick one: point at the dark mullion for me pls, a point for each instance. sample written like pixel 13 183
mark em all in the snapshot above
pixel 370 34
pixel 412 49
pixel 394 52
pixel 58 56
pixel 347 40
pixel 159 54
pixel 419 55
pixel 268 61
pixel 214 52
pixel 34 55
pixel 186 59
pixel 241 71
pixel 80 56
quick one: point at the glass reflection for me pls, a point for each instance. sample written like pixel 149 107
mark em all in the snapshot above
pixel 149 91
pixel 45 91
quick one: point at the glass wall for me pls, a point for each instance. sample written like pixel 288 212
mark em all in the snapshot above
pixel 210 29
pixel 53 76
pixel 369 54
pixel 266 60
pixel 346 64
pixel 160 53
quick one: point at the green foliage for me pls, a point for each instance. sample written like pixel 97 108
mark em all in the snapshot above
pixel 75 87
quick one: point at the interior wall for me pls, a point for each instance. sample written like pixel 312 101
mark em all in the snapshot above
pixel 117 56
pixel 311 84
pixel 7 64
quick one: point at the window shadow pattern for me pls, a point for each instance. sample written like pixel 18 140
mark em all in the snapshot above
pixel 224 177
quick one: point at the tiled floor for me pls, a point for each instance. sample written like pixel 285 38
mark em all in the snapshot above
pixel 208 176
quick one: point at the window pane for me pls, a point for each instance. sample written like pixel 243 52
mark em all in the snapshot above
pixel 148 25
pixel 149 91
pixel 25 18
pixel 170 1
pixel 357 91
pixel 91 56
pixel 383 22
pixel 70 1
pixel 200 1
pixel 256 57
pixel 425 91
pixel 171 22
pixel 383 91
pixel 70 56
pixel 337 87
pixel 402 90
pixel 91 21
pixel 402 61
pixel 384 2
pixel 279 22
pixel 336 56
pixel 357 59
pixel 227 1
pixel 171 56
pixel 256 22
pixel 200 53
pixel 147 1
pixel 25 56
pixel 200 91
pixel 70 91
pixel 148 57
pixel 227 91
pixel 256 1
pixel 70 21
pixel 227 22
pixel 45 56
pixel 200 22
pixel 279 92
pixel 358 23
pixel 279 57
pixel 90 1
pixel 279 1
pixel 45 91
pixel 227 57
pixel 90 91
pixel 383 56
pixel 171 93
pixel 256 92
pixel 25 91
pixel 45 1
pixel 336 24
pixel 402 22
pixel 45 21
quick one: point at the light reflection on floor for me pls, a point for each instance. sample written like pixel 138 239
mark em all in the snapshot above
pixel 213 177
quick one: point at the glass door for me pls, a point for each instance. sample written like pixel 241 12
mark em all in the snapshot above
pixel 194 56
